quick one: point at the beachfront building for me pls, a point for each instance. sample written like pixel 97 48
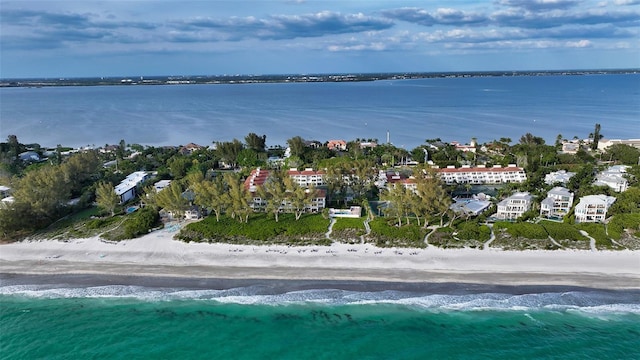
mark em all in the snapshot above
pixel 514 206
pixel 128 188
pixel 306 179
pixel 558 177
pixel 482 175
pixel 613 177
pixel 593 208
pixel 473 206
pixel 557 204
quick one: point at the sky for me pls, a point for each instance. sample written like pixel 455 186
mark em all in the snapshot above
pixel 92 38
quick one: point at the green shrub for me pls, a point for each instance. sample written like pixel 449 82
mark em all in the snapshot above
pixel 523 230
pixel 386 235
pixel 562 231
pixel 473 231
pixel 620 222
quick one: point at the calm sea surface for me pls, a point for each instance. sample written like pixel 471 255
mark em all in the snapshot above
pixel 137 322
pixel 411 110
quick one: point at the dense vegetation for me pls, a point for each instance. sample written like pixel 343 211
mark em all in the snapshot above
pixel 71 195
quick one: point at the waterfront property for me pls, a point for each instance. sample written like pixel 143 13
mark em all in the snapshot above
pixel 473 206
pixel 514 206
pixel 307 179
pixel 603 144
pixel 593 208
pixel 352 212
pixel 557 204
pixel 340 145
pixel 613 177
pixel 482 175
pixel 128 188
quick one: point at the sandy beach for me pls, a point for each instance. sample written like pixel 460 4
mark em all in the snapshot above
pixel 158 255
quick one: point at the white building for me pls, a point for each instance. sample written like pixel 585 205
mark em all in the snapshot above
pixel 162 184
pixel 514 206
pixel 307 177
pixel 557 204
pixel 128 188
pixel 4 191
pixel 593 208
pixel 614 178
pixel 561 176
pixel 482 175
pixel 603 144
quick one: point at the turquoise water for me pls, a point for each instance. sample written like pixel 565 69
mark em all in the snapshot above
pixel 130 322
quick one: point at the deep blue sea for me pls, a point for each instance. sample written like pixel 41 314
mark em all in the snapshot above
pixel 454 109
pixel 58 321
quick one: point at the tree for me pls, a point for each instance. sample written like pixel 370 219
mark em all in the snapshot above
pixel 255 142
pixel 297 146
pixel 596 137
pixel 212 195
pixel 171 199
pixel 229 151
pixel 240 199
pixel 274 192
pixel 622 153
pixel 44 192
pixel 106 197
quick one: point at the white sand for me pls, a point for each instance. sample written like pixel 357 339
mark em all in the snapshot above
pixel 157 254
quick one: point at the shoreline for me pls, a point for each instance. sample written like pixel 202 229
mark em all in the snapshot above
pixel 157 256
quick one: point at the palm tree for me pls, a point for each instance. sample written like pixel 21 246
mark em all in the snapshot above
pixel 274 192
pixel 239 198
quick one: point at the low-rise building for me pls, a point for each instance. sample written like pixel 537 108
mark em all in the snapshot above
pixel 514 206
pixel 593 208
pixel 557 204
pixel 482 175
pixel 4 191
pixel 162 184
pixel 603 144
pixel 560 176
pixel 307 177
pixel 128 188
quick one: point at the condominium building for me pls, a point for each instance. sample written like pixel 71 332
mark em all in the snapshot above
pixel 482 175
pixel 614 178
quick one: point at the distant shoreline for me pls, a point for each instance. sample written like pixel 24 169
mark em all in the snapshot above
pixel 284 78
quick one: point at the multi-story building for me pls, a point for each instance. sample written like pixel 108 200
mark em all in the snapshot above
pixel 614 178
pixel 514 206
pixel 306 179
pixel 557 204
pixel 128 188
pixel 482 175
pixel 593 208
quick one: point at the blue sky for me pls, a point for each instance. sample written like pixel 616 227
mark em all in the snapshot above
pixel 131 38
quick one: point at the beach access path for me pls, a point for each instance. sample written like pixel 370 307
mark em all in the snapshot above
pixel 157 254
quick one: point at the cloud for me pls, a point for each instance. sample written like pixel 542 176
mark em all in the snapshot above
pixel 539 5
pixel 627 2
pixel 441 16
pixel 279 27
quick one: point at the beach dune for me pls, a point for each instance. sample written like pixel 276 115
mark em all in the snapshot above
pixel 157 254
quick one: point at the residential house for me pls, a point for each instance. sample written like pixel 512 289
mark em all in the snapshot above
pixel 4 191
pixel 128 188
pixel 557 204
pixel 593 208
pixel 514 206
pixel 29 156
pixel 465 148
pixel 570 147
pixel 190 148
pixel 482 175
pixel 339 145
pixel 473 206
pixel 614 178
pixel 560 176
pixel 162 184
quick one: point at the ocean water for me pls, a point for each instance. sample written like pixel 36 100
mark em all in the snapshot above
pixel 454 109
pixel 254 322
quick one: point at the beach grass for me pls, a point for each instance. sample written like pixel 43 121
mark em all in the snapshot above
pixel 261 229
